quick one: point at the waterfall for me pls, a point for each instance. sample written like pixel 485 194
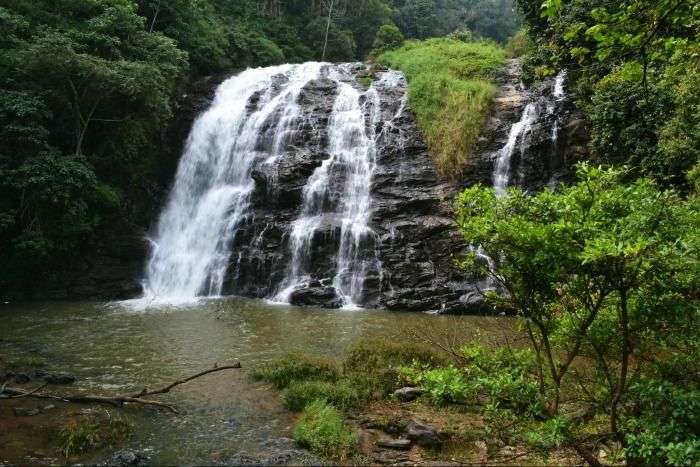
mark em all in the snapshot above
pixel 352 150
pixel 558 94
pixel 252 123
pixel 501 173
pixel 211 194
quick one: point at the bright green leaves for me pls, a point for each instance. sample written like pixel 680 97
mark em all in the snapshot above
pixel 550 8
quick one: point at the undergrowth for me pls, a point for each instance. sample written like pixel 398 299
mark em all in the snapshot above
pixel 450 91
pixel 86 434
pixel 321 428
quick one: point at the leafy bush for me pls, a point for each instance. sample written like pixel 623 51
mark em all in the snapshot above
pixel 519 45
pixel 663 427
pixel 339 394
pixel 443 385
pixel 388 37
pixel 450 90
pixel 625 120
pixel 321 429
pixel 296 366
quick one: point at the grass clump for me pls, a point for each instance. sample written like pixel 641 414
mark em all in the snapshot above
pixel 296 366
pixel 321 429
pixel 87 434
pixel 340 394
pixel 372 364
pixel 450 90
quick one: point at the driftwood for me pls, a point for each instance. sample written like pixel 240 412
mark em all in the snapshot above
pixel 118 400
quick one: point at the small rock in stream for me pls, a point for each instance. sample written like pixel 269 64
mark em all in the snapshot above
pixel 59 378
pixel 128 457
pixel 25 412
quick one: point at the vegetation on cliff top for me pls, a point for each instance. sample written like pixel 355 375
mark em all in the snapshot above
pixel 450 91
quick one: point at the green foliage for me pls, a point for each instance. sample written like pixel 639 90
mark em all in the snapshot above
pixel 339 394
pixel 450 91
pixel 500 376
pixel 443 385
pixel 86 434
pixel 662 429
pixel 631 57
pixel 679 138
pixel 421 19
pixel 372 365
pixel 601 268
pixel 625 121
pixel 518 45
pixel 321 429
pixel 388 37
pixel 296 366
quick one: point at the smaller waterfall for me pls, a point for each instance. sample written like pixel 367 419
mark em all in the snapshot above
pixel 516 137
pixel 558 94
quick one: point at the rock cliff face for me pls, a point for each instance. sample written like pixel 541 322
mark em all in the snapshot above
pixel 407 256
pixel 413 236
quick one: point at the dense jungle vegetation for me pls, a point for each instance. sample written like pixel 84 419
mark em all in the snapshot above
pixel 89 90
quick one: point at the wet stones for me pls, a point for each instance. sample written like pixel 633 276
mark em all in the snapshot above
pixel 400 444
pixel 422 434
pixel 326 297
pixel 59 378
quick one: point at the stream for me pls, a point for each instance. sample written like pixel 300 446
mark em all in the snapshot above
pixel 112 349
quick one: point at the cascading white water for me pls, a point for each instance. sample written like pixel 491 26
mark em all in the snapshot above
pixel 352 151
pixel 558 94
pixel 210 197
pixel 501 173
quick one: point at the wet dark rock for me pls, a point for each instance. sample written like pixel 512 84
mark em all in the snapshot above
pixel 59 378
pixel 326 297
pixel 423 434
pixel 400 444
pixel 128 457
pixel 407 394
pixel 38 373
pixel 26 412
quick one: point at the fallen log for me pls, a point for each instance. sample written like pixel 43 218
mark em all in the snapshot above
pixel 117 400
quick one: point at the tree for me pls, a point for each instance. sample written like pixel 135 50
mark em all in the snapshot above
pixel 600 269
pixel 389 37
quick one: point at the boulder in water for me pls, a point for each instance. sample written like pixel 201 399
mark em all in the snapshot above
pixel 325 297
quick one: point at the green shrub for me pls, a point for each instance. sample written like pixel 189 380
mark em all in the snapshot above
pixel 443 385
pixel 321 429
pixel 86 434
pixel 296 366
pixel 662 429
pixel 371 365
pixel 450 91
pixel 625 121
pixel 388 37
pixel 519 44
pixel 339 394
